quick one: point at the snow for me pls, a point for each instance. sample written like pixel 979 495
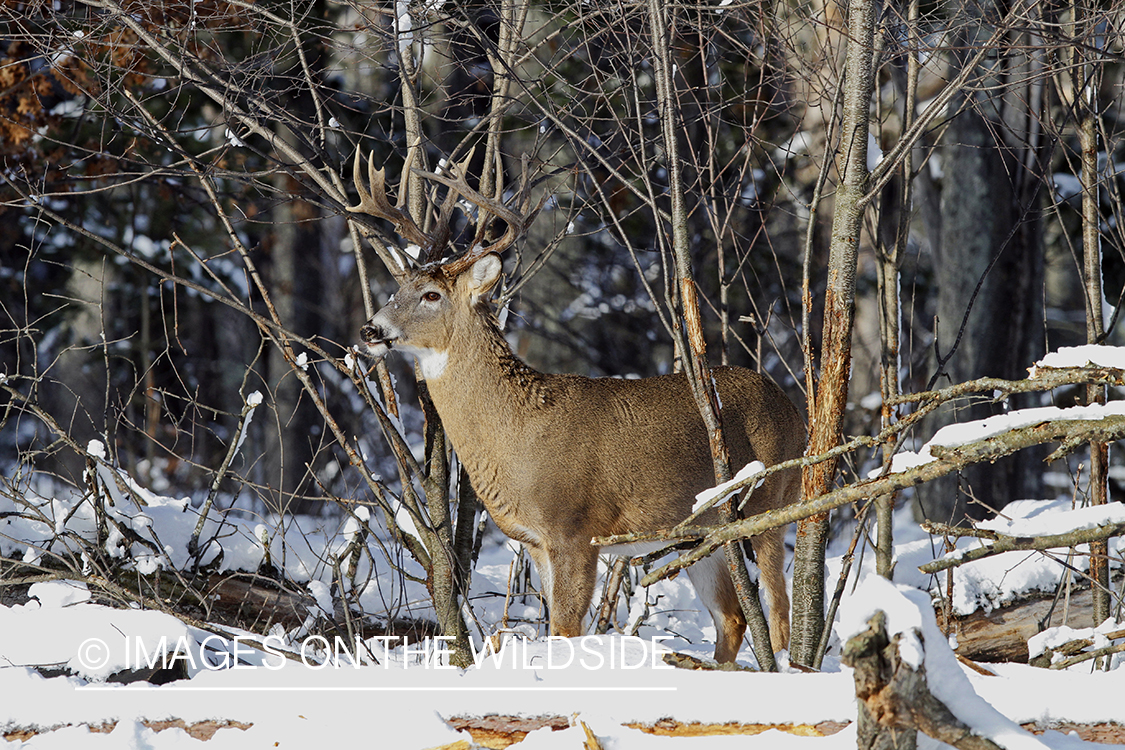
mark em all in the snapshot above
pixel 965 432
pixel 602 681
pixel 1083 356
pixel 293 689
pixel 253 401
pixel 405 28
pixel 1040 523
pixel 720 493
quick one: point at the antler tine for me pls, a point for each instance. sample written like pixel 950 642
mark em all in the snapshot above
pixel 515 221
pixel 445 211
pixel 375 203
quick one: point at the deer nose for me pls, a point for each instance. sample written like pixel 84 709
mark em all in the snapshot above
pixel 372 334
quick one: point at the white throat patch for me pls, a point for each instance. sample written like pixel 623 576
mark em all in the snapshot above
pixel 433 363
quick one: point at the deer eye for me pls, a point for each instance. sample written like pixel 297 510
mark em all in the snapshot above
pixel 431 296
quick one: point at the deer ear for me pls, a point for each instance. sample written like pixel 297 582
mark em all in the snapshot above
pixel 484 274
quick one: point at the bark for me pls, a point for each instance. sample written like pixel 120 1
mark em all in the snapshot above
pixel 444 577
pixel 692 347
pixel 839 311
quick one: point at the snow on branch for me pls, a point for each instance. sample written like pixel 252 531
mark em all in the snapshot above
pixel 945 459
pixel 1068 529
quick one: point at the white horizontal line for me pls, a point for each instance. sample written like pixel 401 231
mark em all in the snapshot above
pixel 370 689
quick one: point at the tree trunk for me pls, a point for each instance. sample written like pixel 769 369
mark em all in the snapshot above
pixel 827 411
pixel 692 347
pixel 988 265
pixel 1085 91
pixel 894 232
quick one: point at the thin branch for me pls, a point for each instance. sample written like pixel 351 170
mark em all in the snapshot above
pixel 1006 543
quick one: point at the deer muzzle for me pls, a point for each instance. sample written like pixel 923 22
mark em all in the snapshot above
pixel 378 339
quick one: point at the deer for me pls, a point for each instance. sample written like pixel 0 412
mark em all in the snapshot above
pixel 558 459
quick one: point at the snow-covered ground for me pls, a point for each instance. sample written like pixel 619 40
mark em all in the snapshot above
pixel 406 695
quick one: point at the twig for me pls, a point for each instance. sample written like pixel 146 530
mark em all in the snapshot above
pixel 609 595
pixel 1043 379
pixel 252 401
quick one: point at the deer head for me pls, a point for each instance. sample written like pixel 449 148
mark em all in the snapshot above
pixel 420 318
pixel 428 311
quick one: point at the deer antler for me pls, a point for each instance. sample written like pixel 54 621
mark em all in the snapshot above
pixel 375 203
pixel 517 221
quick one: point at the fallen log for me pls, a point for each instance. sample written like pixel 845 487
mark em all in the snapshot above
pixel 1002 634
pixel 501 731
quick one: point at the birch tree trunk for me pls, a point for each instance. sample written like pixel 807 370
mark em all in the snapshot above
pixel 1086 105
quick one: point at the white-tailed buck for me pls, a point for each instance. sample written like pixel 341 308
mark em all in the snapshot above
pixel 558 459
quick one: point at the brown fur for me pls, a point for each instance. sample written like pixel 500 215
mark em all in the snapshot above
pixel 558 459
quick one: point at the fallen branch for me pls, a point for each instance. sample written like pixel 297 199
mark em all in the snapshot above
pixel 1088 655
pixel 946 460
pixel 1005 543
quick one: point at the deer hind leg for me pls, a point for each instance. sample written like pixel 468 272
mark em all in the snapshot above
pixel 543 568
pixel 568 579
pixel 769 551
pixel 713 584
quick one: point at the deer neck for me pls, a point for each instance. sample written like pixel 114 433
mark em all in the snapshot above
pixel 483 391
